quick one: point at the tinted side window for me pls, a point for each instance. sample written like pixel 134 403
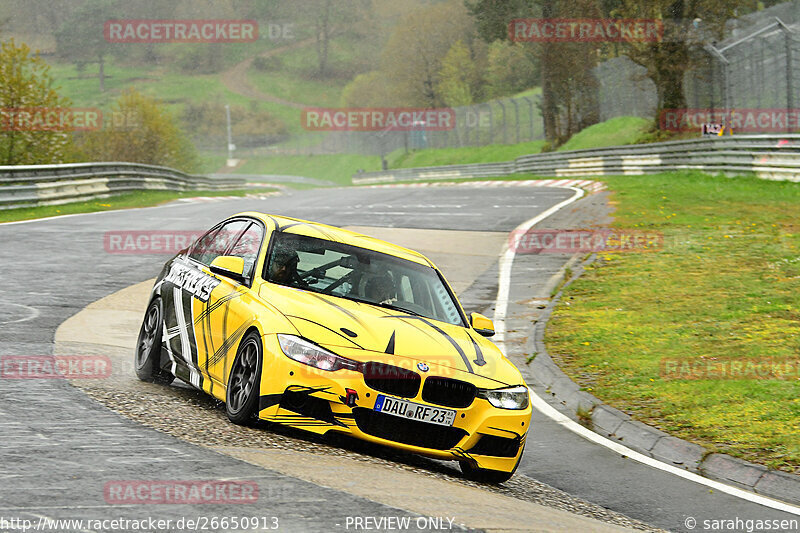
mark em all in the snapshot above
pixel 203 245
pixel 214 244
pixel 247 247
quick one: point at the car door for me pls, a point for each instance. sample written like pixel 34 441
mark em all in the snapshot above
pixel 186 292
pixel 229 311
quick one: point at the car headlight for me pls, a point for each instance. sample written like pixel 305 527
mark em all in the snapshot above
pixel 310 354
pixel 510 398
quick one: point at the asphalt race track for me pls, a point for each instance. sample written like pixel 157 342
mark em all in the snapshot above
pixel 58 445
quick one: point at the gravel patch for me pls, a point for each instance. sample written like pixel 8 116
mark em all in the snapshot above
pixel 197 418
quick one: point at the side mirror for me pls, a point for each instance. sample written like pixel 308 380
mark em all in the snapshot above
pixel 481 324
pixel 230 267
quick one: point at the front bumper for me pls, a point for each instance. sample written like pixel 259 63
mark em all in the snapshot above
pixel 319 401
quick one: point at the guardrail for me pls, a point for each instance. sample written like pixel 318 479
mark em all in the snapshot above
pixel 35 185
pixel 775 157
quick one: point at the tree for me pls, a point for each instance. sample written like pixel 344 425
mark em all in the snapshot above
pixel 27 87
pixel 80 38
pixel 146 133
pixel 412 59
pixel 250 126
pixel 457 77
pixel 512 68
pixel 368 90
pixel 327 16
pixel 568 87
pixel 668 59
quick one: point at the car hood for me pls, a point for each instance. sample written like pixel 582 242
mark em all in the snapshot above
pixel 366 332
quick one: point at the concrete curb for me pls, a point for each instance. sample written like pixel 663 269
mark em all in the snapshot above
pixel 616 425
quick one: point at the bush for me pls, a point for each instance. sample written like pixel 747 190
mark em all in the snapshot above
pixel 146 134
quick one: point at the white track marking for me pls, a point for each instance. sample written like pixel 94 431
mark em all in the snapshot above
pixel 33 313
pixel 507 259
pixel 501 308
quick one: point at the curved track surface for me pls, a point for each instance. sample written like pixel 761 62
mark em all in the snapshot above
pixel 58 446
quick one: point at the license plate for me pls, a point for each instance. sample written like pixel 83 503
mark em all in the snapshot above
pixel 414 411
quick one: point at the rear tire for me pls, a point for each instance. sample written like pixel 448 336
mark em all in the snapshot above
pixel 147 359
pixel 244 384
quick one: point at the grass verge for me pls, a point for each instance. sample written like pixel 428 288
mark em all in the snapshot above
pixel 337 168
pixel 493 153
pixel 702 338
pixel 613 132
pixel 120 201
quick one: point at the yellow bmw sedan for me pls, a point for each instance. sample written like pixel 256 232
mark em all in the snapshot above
pixel 327 330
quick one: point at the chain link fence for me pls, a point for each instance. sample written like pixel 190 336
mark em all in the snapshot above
pixel 757 71
pixel 758 67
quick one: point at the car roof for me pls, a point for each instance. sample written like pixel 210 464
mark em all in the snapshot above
pixel 323 231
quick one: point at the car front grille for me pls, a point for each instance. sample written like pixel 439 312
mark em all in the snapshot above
pixel 411 432
pixel 391 379
pixel 448 392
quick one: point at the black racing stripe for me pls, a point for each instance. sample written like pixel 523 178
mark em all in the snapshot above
pixel 207 324
pixel 188 303
pixel 312 226
pixel 173 329
pixel 210 309
pixel 445 335
pixel 348 339
pixel 339 308
pixel 308 390
pixel 390 346
pixel 293 224
pixel 479 360
pixel 182 372
pixel 206 332
pixel 405 318
pixel 507 431
pixel 268 400
pixel 230 341
pixel 458 452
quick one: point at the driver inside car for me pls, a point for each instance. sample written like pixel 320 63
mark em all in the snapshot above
pixel 381 289
pixel 283 268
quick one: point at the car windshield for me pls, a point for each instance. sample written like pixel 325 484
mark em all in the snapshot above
pixel 360 275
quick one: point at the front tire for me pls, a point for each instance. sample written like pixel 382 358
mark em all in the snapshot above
pixel 483 475
pixel 244 383
pixel 147 359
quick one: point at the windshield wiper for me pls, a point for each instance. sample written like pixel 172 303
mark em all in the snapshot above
pixel 398 308
pixel 385 306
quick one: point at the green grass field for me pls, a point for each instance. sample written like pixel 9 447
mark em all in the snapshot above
pixel 340 168
pixel 612 132
pixel 468 154
pixel 701 339
pixel 336 168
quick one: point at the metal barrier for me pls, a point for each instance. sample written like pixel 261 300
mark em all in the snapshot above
pixel 775 157
pixel 35 185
